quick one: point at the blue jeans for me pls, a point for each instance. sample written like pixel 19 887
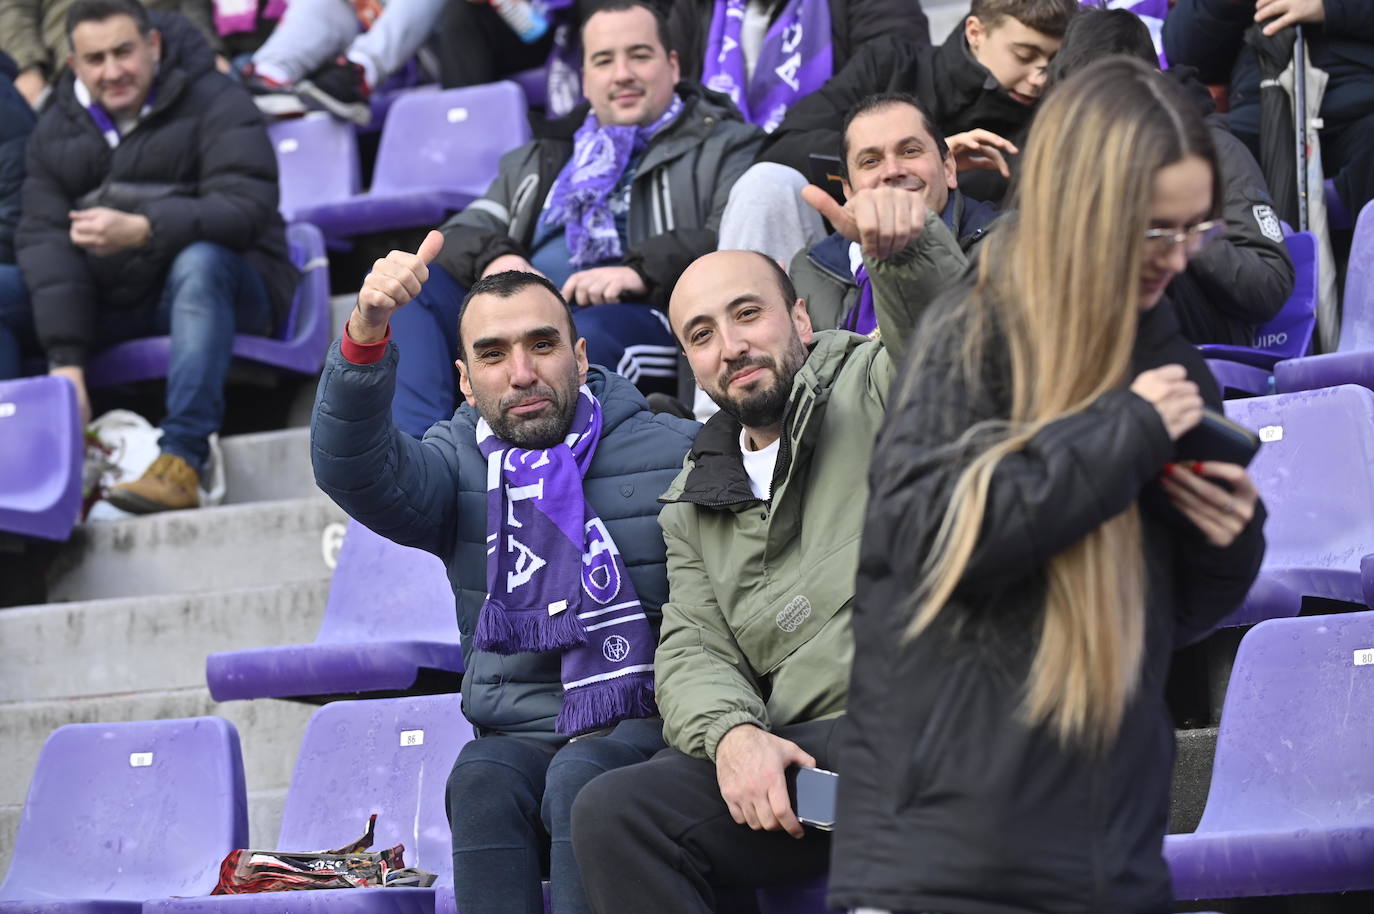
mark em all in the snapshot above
pixel 633 340
pixel 511 798
pixel 16 323
pixel 210 294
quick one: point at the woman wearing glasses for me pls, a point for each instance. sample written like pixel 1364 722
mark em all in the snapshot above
pixel 1033 551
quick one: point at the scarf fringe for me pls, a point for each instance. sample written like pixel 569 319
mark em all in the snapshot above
pixel 512 631
pixel 605 703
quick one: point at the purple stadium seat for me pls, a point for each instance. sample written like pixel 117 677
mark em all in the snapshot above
pixel 1353 360
pixel 535 84
pixel 1314 475
pixel 1236 379
pixel 41 453
pixel 119 813
pixel 807 897
pixel 390 618
pixel 388 756
pixel 317 160
pixel 439 151
pixel 1291 807
pixel 300 346
pixel 1337 216
pixel 1289 334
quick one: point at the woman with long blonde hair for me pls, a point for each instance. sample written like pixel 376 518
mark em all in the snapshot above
pixel 1033 550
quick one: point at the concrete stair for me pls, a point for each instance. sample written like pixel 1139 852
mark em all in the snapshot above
pixel 135 605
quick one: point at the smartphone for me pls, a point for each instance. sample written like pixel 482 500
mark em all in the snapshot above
pixel 814 797
pixel 1218 438
pixel 824 172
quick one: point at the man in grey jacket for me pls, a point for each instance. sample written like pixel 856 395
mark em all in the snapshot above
pixel 558 620
pixel 612 205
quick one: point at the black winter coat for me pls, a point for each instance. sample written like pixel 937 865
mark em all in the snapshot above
pixel 958 91
pixel 946 801
pixel 1210 35
pixel 204 140
pixel 16 123
pixel 1245 277
pixel 853 23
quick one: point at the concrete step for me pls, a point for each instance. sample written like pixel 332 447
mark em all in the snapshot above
pixel 63 650
pixel 268 466
pixel 256 544
pixel 269 731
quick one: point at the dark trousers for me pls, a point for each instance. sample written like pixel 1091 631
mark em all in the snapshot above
pixel 658 837
pixel 1347 156
pixel 17 338
pixel 476 46
pixel 510 808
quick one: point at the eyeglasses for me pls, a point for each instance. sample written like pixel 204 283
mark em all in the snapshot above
pixel 1194 238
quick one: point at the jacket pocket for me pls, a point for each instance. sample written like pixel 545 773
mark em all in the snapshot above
pixel 796 612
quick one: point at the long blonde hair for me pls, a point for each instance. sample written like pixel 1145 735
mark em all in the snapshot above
pixel 1062 280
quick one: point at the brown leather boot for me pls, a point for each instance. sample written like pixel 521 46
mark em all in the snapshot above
pixel 170 484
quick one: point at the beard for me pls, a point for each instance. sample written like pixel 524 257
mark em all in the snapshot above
pixel 539 431
pixel 763 406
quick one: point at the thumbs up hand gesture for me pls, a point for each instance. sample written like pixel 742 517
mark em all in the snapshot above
pixel 394 280
pixel 883 220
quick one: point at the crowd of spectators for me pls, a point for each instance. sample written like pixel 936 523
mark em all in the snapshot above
pixel 865 251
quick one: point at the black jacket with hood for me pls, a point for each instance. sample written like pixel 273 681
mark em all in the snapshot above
pixel 956 89
pixel 853 23
pixel 1243 279
pixel 199 166
pixel 947 802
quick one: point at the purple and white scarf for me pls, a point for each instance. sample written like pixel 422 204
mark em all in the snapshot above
pixel 795 60
pixel 108 129
pixel 581 197
pixel 234 16
pixel 556 581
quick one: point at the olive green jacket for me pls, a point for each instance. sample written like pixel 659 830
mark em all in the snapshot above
pixel 757 625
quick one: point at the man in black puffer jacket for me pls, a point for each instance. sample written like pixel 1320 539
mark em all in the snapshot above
pixel 150 207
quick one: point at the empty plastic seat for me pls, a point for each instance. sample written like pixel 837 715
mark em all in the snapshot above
pixel 119 813
pixel 40 457
pixel 387 756
pixel 317 161
pixel 439 151
pixel 300 345
pixel 389 626
pixel 1314 474
pixel 1353 360
pixel 1291 807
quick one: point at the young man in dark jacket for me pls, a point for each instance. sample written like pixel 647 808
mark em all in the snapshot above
pixel 767 54
pixel 541 637
pixel 1210 35
pixel 614 237
pixel 150 207
pixel 889 141
pixel 1243 278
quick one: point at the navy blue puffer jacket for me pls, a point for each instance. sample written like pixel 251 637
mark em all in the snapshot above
pixel 432 494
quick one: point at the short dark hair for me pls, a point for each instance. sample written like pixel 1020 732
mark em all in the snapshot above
pixel 1051 17
pixel 624 6
pixel 789 291
pixel 504 285
pixel 100 10
pixel 1098 33
pixel 878 102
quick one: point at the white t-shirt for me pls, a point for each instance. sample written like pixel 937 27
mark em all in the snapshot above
pixel 759 465
pixel 757 14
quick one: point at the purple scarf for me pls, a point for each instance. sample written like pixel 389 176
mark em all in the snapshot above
pixel 546 551
pixel 101 117
pixel 795 60
pixel 563 69
pixel 580 199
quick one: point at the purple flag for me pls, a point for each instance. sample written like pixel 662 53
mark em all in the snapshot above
pixel 795 60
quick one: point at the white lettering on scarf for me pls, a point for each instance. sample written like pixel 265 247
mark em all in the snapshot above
pixel 788 72
pixel 525 566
